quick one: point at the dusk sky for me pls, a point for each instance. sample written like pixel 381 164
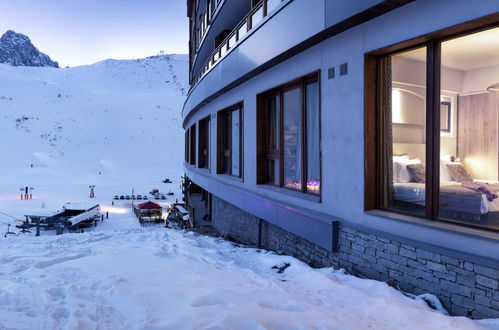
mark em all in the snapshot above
pixel 78 32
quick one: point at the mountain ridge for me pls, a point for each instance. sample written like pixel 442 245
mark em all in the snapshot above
pixel 16 49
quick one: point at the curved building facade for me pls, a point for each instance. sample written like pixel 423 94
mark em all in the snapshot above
pixel 356 134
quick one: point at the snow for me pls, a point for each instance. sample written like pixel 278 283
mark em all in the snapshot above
pixel 111 117
pixel 117 125
pixel 114 124
pixel 122 276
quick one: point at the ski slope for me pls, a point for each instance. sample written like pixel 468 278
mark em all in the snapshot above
pixel 115 124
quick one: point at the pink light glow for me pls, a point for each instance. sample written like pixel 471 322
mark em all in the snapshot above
pixel 313 186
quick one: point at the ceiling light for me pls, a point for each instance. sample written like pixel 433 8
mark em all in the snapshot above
pixel 493 88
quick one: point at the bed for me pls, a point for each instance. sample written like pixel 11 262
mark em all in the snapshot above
pixel 456 202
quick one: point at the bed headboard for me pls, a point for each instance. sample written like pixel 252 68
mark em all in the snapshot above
pixel 412 149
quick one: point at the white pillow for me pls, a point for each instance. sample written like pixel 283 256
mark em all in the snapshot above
pixel 444 172
pixel 405 176
pixel 400 172
pixel 397 160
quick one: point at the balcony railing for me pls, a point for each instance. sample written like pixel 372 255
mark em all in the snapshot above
pixel 255 16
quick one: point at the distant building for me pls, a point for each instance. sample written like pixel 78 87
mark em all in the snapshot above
pixel 356 134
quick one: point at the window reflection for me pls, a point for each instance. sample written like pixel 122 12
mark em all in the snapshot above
pixel 470 147
pixel 291 104
pixel 404 154
pixel 289 136
pixel 313 143
pixel 235 145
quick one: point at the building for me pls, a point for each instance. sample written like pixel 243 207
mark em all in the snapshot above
pixel 354 134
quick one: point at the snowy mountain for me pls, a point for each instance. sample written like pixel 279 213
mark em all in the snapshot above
pixel 16 49
pixel 117 118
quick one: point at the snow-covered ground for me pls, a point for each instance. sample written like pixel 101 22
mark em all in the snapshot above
pixel 122 276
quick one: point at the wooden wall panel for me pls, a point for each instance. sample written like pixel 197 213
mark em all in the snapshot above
pixel 478 134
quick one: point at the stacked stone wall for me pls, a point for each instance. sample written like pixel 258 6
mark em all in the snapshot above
pixel 464 288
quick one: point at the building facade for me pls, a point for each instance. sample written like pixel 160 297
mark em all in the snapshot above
pixel 357 134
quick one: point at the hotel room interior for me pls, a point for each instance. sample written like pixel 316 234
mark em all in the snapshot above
pixel 469 130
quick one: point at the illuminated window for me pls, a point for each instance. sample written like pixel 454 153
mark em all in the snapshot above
pixel 288 133
pixel 229 141
pixel 204 143
pixel 437 114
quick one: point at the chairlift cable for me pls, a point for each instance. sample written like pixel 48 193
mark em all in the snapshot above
pixel 10 216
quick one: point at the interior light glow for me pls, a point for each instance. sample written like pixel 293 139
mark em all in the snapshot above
pixel 396 106
pixel 493 88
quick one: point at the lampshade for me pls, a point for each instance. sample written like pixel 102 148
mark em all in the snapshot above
pixel 493 88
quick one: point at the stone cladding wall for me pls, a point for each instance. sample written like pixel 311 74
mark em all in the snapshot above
pixel 464 288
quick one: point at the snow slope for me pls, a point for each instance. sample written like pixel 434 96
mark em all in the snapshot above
pixel 104 114
pixel 117 118
pixel 122 276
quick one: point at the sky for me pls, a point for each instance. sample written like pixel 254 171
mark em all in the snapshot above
pixel 80 32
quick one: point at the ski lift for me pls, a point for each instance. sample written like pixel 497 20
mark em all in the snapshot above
pixel 8 231
pixel 24 226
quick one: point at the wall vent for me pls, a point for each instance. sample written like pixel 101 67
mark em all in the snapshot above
pixel 343 69
pixel 330 73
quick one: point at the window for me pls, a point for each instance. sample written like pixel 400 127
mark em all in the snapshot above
pixel 437 112
pixel 186 146
pixel 204 143
pixel 192 145
pixel 229 137
pixel 289 153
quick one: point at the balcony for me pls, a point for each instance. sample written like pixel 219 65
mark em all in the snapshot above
pixel 216 18
pixel 269 30
pixel 251 20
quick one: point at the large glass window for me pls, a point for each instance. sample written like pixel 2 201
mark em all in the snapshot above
pixel 289 154
pixel 469 138
pixel 404 112
pixel 292 126
pixel 229 132
pixel 312 140
pixel 204 143
pixel 437 109
pixel 186 146
pixel 272 141
pixel 192 145
pixel 235 143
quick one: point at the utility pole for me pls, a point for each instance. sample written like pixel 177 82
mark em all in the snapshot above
pixel 133 199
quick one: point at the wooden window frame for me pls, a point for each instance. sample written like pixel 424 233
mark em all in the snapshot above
pixel 204 143
pixel 373 126
pixel 224 139
pixel 262 139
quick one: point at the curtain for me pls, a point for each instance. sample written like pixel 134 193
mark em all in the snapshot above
pixel 386 131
